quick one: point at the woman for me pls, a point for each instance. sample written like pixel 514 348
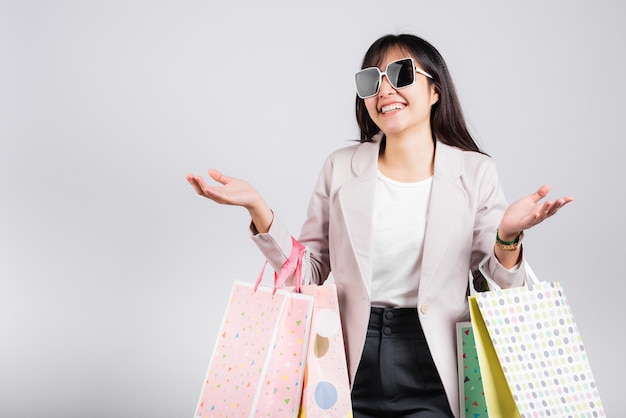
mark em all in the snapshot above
pixel 400 219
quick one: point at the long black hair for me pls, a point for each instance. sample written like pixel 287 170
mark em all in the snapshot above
pixel 446 118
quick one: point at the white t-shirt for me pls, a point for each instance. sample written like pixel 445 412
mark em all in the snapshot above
pixel 400 215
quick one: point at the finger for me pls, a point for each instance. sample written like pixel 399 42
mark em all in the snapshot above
pixel 542 212
pixel 218 176
pixel 551 209
pixel 542 192
pixel 558 204
pixel 193 180
pixel 204 188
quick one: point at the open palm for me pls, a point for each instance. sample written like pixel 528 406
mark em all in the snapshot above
pixel 529 211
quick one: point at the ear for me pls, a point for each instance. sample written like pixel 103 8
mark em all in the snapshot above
pixel 434 94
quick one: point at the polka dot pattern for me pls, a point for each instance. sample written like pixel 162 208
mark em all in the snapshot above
pixel 326 386
pixel 541 351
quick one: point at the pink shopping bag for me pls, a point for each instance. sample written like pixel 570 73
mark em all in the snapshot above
pixel 257 366
pixel 326 390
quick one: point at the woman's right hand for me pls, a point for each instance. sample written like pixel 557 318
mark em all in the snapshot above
pixel 236 192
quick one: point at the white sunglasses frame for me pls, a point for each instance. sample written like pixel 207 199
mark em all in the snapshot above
pixel 384 73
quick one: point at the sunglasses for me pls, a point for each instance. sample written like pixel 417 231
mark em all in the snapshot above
pixel 400 74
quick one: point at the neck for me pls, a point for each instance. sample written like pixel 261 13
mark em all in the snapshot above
pixel 408 158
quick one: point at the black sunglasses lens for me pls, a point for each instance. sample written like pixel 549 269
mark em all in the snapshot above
pixel 367 81
pixel 401 73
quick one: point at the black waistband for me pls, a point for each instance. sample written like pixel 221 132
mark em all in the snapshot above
pixel 394 323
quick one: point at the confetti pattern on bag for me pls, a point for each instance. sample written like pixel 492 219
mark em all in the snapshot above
pixel 260 341
pixel 473 394
pixel 282 383
pixel 541 351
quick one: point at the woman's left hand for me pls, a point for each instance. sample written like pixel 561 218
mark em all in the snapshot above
pixel 529 211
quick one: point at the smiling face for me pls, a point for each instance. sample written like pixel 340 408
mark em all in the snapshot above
pixel 404 111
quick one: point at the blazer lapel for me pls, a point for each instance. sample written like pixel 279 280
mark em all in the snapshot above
pixel 356 201
pixel 447 202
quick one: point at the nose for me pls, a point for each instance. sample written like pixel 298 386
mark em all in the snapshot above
pixel 385 87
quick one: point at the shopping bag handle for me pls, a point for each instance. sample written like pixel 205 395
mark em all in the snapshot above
pixel 531 278
pixel 294 263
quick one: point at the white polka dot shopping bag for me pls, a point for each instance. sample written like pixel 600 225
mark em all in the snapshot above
pixel 532 359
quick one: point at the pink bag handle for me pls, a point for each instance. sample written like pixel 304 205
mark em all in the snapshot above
pixel 293 263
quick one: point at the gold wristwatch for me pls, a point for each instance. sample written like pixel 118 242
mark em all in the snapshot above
pixel 509 245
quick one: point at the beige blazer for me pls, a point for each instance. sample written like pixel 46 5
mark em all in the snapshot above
pixel 466 206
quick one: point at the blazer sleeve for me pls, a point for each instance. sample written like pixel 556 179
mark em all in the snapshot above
pixel 491 207
pixel 276 244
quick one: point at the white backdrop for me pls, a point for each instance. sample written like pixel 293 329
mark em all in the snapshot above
pixel 114 275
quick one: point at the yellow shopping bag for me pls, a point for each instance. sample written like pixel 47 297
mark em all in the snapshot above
pixel 498 396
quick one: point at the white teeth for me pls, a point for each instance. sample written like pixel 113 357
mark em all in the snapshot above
pixel 391 107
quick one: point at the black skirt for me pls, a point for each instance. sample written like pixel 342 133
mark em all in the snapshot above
pixel 397 376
